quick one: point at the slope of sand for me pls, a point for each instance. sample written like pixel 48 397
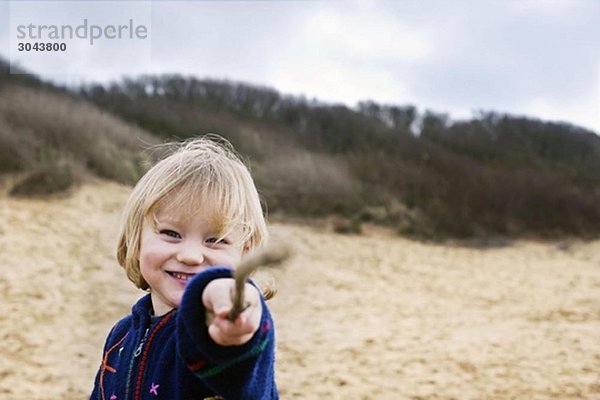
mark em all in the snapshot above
pixel 366 317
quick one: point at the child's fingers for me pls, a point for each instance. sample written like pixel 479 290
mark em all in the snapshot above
pixel 227 333
pixel 217 297
pixel 218 303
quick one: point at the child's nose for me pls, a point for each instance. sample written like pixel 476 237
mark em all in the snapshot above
pixel 190 254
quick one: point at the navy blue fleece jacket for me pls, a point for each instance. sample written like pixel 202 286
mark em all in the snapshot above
pixel 172 357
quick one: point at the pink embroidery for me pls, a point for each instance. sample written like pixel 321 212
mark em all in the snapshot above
pixel 113 397
pixel 153 389
pixel 266 327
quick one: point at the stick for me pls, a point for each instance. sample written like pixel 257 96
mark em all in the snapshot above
pixel 269 257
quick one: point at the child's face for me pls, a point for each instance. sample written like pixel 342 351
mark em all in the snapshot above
pixel 178 248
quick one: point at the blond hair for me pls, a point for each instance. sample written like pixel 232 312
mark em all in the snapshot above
pixel 199 173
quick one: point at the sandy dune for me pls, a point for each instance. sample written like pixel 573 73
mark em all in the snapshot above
pixel 369 317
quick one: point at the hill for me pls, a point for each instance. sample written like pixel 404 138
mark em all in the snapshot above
pixel 423 174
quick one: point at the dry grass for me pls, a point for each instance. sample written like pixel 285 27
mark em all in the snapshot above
pixel 40 129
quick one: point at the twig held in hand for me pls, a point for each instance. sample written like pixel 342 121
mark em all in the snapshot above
pixel 269 257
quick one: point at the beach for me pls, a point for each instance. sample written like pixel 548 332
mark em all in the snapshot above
pixel 371 316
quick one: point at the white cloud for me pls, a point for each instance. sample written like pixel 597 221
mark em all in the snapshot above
pixel 548 7
pixel 374 36
pixel 586 114
pixel 329 81
pixel 345 55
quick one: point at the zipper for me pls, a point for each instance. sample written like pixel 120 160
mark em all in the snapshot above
pixel 144 351
pixel 138 351
pixel 132 362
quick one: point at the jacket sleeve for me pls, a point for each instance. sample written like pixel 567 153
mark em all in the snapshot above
pixel 234 372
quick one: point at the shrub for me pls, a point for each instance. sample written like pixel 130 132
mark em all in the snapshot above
pixel 308 184
pixel 347 226
pixel 53 178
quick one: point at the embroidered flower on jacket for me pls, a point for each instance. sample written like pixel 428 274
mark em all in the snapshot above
pixel 153 389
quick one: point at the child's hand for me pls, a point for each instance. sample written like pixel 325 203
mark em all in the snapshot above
pixel 217 302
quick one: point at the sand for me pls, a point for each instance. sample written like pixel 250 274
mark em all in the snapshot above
pixel 358 317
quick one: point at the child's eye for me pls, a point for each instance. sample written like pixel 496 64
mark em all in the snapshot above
pixel 170 233
pixel 214 240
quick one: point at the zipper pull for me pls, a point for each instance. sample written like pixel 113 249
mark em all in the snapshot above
pixel 138 351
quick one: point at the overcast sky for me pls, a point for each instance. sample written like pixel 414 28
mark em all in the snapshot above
pixel 526 57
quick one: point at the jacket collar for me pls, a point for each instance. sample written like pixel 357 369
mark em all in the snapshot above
pixel 142 311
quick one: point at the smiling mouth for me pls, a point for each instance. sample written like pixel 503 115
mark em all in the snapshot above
pixel 181 275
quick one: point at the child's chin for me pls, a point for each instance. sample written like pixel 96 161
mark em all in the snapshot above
pixel 177 299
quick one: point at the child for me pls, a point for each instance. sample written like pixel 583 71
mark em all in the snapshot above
pixel 188 221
